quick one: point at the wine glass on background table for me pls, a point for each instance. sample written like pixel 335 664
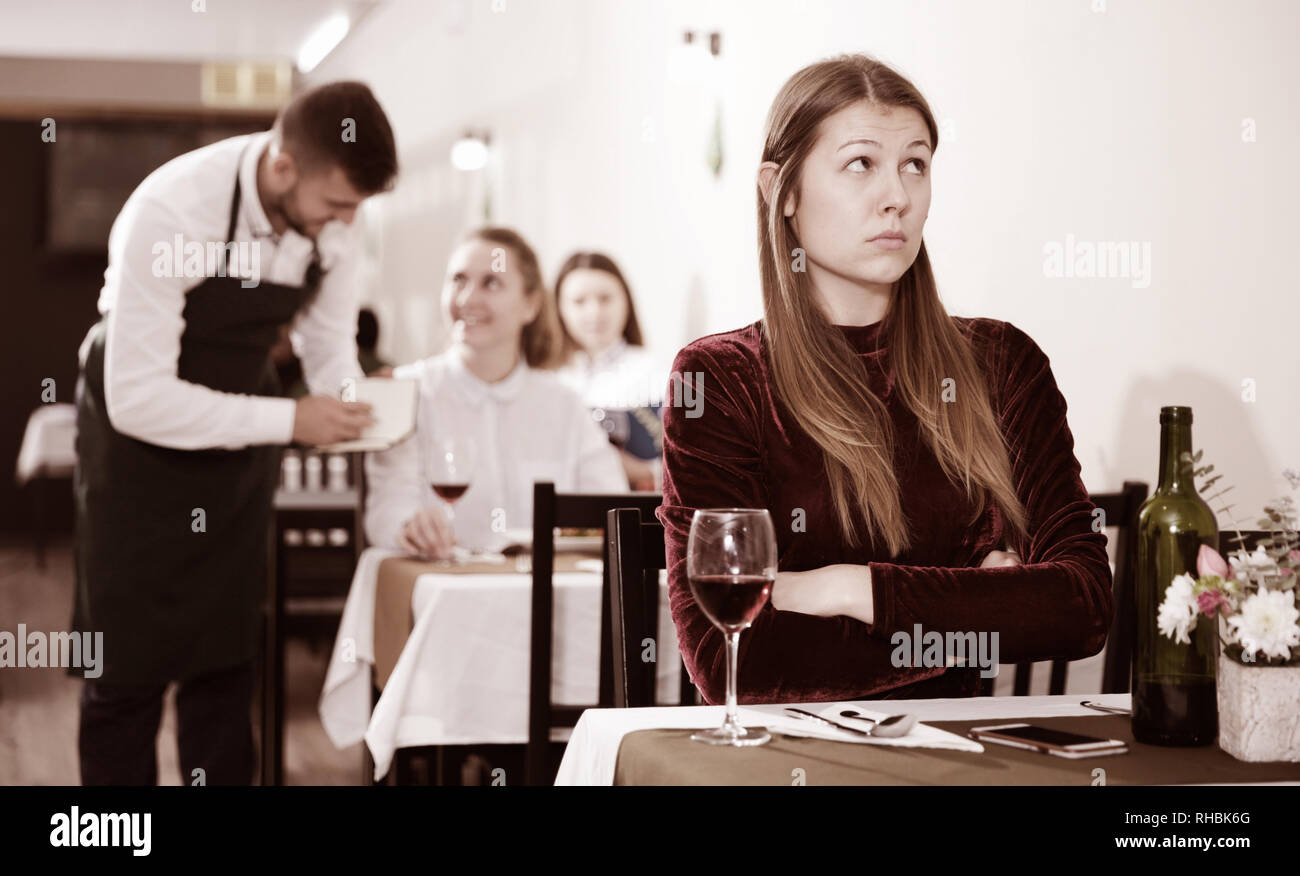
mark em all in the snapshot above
pixel 450 471
pixel 731 564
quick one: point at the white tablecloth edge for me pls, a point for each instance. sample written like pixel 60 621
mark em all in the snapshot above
pixel 592 752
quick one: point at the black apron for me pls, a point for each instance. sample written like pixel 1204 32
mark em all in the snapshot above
pixel 174 603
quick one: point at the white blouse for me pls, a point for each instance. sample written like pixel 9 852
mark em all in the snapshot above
pixel 621 378
pixel 528 427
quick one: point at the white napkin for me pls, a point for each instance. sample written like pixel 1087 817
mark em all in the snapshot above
pixel 777 719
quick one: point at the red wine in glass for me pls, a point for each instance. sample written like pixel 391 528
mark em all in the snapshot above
pixel 450 470
pixel 450 492
pixel 731 601
pixel 731 564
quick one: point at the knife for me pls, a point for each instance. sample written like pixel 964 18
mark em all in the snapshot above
pixel 800 713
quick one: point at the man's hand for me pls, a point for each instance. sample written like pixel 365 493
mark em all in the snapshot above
pixel 319 419
pixel 1000 558
pixel 428 534
pixel 840 589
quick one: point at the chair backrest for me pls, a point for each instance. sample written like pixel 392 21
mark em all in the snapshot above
pixel 551 510
pixel 1119 510
pixel 635 555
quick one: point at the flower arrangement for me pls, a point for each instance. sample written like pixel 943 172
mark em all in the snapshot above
pixel 1251 594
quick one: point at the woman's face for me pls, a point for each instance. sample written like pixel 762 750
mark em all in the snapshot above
pixel 483 297
pixel 868 173
pixel 593 307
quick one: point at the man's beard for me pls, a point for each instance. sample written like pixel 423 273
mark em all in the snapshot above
pixel 285 206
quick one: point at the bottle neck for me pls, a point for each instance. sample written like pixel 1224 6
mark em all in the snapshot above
pixel 1175 439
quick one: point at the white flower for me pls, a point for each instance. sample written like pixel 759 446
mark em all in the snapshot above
pixel 1226 630
pixel 1178 611
pixel 1269 623
pixel 1245 568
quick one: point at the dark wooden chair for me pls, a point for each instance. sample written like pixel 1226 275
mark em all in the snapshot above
pixel 306 591
pixel 551 510
pixel 1120 511
pixel 635 556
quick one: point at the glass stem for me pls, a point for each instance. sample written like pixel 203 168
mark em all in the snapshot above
pixel 733 649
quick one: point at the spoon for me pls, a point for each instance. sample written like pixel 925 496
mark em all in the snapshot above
pixel 894 725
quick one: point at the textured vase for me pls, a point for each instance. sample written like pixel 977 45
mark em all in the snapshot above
pixel 1259 711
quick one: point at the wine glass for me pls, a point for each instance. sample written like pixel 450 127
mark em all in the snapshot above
pixel 451 467
pixel 731 564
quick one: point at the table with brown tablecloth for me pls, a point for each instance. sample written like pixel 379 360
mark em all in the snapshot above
pixel 669 757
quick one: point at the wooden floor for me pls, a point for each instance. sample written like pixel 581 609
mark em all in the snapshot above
pixel 38 706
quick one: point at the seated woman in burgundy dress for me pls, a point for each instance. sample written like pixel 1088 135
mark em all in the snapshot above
pixel 898 449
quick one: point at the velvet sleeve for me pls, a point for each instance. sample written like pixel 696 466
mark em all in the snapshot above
pixel 713 459
pixel 1059 602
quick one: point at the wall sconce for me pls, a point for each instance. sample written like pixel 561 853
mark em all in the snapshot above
pixel 470 152
pixel 714 40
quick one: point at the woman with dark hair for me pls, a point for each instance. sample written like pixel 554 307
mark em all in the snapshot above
pixel 605 360
pixel 489 391
pixel 898 449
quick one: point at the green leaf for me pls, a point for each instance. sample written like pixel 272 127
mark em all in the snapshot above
pixel 1197 456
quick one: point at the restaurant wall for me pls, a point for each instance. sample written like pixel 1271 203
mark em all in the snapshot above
pixel 1166 125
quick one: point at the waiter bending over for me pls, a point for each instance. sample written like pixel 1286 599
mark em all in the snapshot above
pixel 180 428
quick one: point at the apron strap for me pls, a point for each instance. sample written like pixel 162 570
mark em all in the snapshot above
pixel 234 201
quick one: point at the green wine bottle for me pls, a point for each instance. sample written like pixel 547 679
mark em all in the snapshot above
pixel 1174 701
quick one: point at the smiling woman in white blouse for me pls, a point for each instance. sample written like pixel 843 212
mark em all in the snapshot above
pixel 487 391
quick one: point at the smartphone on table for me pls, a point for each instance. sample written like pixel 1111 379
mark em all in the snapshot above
pixel 1061 743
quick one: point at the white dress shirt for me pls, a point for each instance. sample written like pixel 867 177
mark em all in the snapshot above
pixel 528 427
pixel 190 196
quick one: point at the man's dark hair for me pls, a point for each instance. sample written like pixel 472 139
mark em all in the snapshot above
pixel 341 124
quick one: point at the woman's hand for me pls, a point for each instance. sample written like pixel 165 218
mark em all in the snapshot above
pixel 640 474
pixel 840 589
pixel 1000 558
pixel 428 535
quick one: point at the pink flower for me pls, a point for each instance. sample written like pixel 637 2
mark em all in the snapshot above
pixel 1210 600
pixel 1208 562
pixel 1295 558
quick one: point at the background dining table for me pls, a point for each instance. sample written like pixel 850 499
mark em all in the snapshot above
pixel 652 746
pixel 461 677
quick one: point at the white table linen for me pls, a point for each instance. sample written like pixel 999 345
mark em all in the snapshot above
pixel 49 443
pixel 462 677
pixel 592 752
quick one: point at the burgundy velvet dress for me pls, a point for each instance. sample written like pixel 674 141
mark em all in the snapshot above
pixel 746 450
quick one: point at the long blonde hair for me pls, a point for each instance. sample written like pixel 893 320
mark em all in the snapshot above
pixel 839 410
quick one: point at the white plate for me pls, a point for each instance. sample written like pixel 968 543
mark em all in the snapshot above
pixel 562 542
